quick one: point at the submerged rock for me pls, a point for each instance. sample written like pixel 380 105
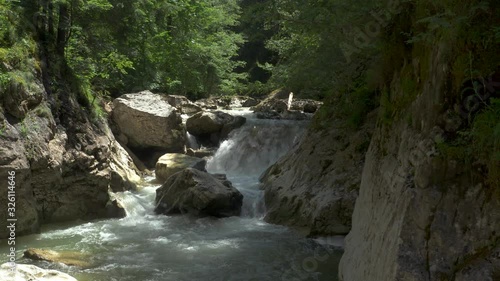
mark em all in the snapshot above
pixel 149 121
pixel 172 163
pixel 198 193
pixel 25 272
pixel 66 257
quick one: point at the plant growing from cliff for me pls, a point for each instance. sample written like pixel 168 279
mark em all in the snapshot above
pixel 23 129
pixel 486 141
pixel 387 109
pixel 2 129
pixel 479 144
pixel 42 111
pixel 356 105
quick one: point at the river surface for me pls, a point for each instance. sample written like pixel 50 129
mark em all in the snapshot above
pixel 150 247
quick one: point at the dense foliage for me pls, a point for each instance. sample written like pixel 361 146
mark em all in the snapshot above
pixel 344 51
pixel 183 47
pixel 17 49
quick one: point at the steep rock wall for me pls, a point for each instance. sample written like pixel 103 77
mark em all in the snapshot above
pixel 65 169
pixel 314 186
pixel 420 216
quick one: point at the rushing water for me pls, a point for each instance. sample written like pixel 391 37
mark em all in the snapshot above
pixel 145 246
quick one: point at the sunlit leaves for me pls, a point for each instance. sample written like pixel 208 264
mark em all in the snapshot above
pixel 179 46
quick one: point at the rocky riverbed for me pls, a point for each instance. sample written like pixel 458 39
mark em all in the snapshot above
pixel 182 210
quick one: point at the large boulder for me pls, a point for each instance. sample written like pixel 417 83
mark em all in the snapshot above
pixel 149 121
pixel 206 123
pixel 172 163
pixel 213 126
pixel 198 193
pixel 29 272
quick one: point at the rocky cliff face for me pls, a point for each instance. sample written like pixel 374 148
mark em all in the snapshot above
pixel 314 187
pixel 420 216
pixel 65 170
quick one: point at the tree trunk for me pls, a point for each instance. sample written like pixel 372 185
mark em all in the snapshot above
pixel 51 35
pixel 62 29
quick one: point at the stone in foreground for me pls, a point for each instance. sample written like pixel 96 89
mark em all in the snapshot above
pixel 172 163
pixel 29 272
pixel 198 193
pixel 149 121
pixel 68 258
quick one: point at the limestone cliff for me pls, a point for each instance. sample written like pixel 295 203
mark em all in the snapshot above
pixel 65 168
pixel 419 215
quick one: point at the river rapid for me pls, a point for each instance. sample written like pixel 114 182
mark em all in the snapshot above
pixel 145 246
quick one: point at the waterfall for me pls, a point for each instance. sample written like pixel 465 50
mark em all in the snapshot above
pixel 249 151
pixel 254 147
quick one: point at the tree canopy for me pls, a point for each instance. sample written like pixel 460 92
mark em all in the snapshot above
pixel 226 47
